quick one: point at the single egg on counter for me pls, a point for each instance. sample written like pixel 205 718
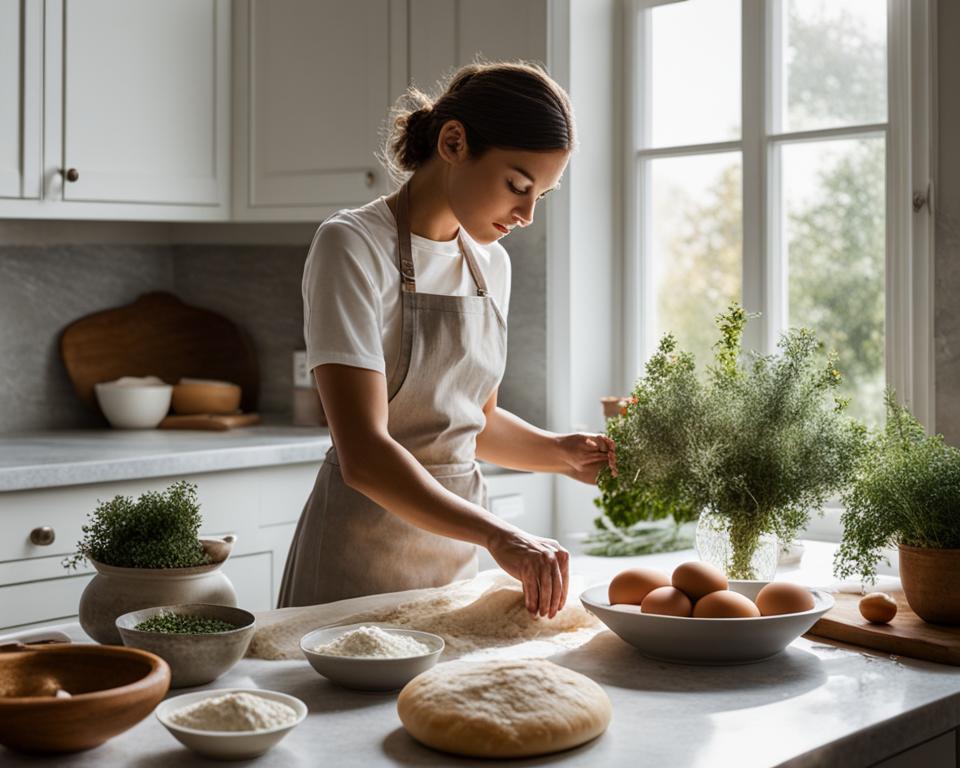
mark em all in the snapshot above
pixel 725 604
pixel 666 601
pixel 634 584
pixel 779 597
pixel 878 607
pixel 696 579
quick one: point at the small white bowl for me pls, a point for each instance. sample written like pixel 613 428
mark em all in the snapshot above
pixel 689 640
pixel 367 673
pixel 229 745
pixel 134 403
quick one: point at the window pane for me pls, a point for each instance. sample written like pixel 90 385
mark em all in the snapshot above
pixel 695 246
pixel 834 68
pixel 833 208
pixel 695 72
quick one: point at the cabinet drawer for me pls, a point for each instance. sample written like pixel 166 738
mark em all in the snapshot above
pixel 41 601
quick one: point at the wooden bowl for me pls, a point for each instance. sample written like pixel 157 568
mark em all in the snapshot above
pixel 111 689
pixel 192 396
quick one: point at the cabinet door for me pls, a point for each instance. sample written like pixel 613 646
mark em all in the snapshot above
pixel 145 100
pixel 21 70
pixel 314 87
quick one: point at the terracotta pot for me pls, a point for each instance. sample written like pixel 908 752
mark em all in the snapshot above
pixel 931 583
pixel 115 591
pixel 613 405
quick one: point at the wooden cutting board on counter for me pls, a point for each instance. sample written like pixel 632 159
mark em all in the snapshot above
pixel 906 635
pixel 213 421
pixel 159 335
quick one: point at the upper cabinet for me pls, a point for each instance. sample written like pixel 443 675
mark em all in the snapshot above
pixel 250 110
pixel 314 80
pixel 136 110
pixel 21 95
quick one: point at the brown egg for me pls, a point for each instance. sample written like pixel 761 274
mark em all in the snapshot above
pixel 780 597
pixel 696 579
pixel 666 601
pixel 878 607
pixel 725 604
pixel 632 585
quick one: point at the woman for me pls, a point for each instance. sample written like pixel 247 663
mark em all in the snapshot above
pixel 405 301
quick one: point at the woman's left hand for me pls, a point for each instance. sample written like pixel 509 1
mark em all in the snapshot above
pixel 583 454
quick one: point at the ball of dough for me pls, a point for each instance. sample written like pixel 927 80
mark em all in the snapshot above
pixel 503 708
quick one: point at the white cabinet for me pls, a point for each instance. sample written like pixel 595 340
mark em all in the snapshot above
pixel 21 98
pixel 136 110
pixel 314 80
pixel 261 506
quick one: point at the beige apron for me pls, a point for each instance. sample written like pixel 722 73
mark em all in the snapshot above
pixel 452 355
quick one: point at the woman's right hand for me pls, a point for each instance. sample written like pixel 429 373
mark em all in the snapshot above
pixel 540 564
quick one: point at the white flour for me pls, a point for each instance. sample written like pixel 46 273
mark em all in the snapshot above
pixel 482 616
pixel 234 712
pixel 373 642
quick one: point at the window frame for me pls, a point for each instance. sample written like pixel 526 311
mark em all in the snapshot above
pixel 910 157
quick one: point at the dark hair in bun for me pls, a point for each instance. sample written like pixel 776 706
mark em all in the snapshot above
pixel 507 105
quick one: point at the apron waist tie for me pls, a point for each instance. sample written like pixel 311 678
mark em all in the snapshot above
pixel 437 470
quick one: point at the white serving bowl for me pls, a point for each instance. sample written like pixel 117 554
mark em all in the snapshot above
pixel 369 673
pixel 229 745
pixel 134 402
pixel 688 640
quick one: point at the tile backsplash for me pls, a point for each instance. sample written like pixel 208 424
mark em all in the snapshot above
pixel 44 287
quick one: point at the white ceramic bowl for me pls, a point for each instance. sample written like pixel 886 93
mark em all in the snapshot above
pixel 229 745
pixel 131 403
pixel 687 640
pixel 369 673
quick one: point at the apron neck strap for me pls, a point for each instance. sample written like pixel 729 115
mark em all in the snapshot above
pixel 405 251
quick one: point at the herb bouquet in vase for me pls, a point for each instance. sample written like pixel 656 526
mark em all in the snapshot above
pixel 755 442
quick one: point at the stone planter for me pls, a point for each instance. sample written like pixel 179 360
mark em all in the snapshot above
pixel 115 591
pixel 713 547
pixel 931 583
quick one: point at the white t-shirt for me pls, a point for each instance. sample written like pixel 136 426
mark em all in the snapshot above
pixel 351 285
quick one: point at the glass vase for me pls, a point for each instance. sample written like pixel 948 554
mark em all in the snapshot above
pixel 713 546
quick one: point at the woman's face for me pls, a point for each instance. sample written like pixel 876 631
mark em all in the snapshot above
pixel 493 193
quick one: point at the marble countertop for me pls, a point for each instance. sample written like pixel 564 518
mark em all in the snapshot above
pixel 816 704
pixel 46 459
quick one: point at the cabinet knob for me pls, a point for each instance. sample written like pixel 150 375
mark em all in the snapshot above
pixel 71 174
pixel 43 536
pixel 371 177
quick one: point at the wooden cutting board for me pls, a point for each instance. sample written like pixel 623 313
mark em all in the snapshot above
pixel 906 635
pixel 158 335
pixel 213 421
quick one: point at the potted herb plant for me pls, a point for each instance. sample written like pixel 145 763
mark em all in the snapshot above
pixel 147 553
pixel 907 493
pixel 756 443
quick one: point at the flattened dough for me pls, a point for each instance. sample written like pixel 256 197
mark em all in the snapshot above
pixel 503 708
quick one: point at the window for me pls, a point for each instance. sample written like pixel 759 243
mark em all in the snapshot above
pixel 767 150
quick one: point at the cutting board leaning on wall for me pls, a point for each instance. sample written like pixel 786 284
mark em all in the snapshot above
pixel 158 335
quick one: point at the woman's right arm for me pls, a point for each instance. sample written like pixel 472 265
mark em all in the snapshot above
pixel 376 465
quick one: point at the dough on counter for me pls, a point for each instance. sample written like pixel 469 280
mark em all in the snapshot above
pixel 503 708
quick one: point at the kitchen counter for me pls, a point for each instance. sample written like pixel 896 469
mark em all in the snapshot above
pixel 816 704
pixel 51 459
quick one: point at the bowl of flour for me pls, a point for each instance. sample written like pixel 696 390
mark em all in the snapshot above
pixel 231 723
pixel 371 657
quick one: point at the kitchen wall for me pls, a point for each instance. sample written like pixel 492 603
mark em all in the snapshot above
pixel 947 233
pixel 54 272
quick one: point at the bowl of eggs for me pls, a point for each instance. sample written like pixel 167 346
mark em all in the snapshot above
pixel 697 616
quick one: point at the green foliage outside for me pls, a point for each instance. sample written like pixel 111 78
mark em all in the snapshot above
pixel 760 440
pixel 907 491
pixel 158 530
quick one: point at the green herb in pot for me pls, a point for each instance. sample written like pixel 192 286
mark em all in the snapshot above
pixel 906 491
pixel 183 624
pixel 158 530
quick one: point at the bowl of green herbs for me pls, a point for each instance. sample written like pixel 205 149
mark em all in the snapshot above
pixel 199 641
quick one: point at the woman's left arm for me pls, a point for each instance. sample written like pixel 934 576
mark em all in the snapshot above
pixel 509 441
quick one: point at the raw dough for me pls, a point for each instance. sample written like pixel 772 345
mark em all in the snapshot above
pixel 503 708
